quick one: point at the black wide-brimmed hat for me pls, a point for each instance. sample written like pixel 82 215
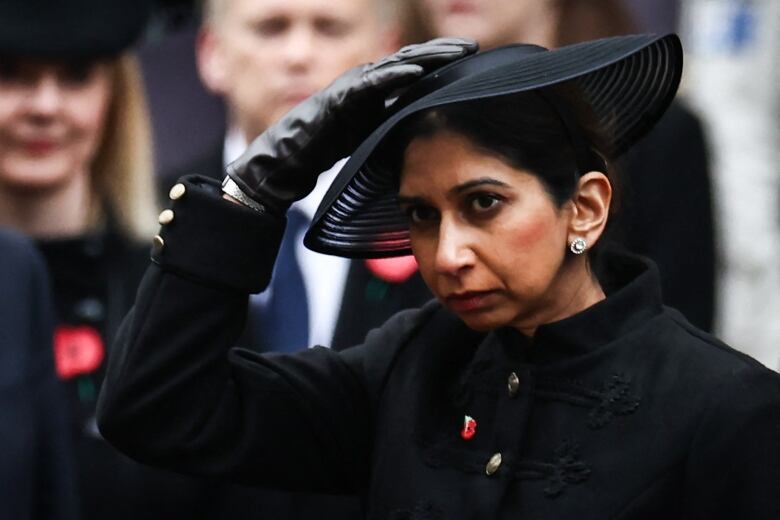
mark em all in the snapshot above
pixel 54 29
pixel 629 81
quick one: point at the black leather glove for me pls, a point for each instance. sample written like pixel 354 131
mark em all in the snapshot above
pixel 282 164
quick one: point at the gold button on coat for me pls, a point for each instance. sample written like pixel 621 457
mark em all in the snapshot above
pixel 166 217
pixel 513 384
pixel 158 243
pixel 177 191
pixel 493 464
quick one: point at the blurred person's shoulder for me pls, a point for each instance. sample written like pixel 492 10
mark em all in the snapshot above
pixel 679 125
pixel 25 310
pixel 19 260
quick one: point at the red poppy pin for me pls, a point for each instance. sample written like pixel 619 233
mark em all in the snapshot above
pixel 77 350
pixel 393 270
pixel 469 429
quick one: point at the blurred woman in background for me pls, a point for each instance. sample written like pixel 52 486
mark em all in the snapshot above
pixel 76 175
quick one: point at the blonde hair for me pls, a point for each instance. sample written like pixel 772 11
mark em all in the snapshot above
pixel 122 173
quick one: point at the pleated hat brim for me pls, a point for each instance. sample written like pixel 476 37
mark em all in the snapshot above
pixel 629 81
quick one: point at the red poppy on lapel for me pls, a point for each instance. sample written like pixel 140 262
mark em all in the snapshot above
pixel 77 350
pixel 393 270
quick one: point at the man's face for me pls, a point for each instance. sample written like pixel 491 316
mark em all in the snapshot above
pixel 265 56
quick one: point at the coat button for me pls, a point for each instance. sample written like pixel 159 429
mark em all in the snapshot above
pixel 177 191
pixel 493 464
pixel 158 243
pixel 166 217
pixel 90 309
pixel 513 384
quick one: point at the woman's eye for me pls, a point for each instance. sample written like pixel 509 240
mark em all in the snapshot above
pixel 483 202
pixel 9 70
pixel 78 72
pixel 421 214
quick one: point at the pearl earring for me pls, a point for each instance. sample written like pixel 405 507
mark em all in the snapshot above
pixel 578 246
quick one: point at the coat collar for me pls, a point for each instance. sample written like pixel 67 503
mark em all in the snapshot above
pixel 633 297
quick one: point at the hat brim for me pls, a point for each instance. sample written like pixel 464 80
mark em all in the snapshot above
pixel 629 81
pixel 74 29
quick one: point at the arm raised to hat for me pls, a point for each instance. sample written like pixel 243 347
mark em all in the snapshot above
pixel 282 164
pixel 178 395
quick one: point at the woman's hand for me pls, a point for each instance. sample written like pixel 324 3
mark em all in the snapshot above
pixel 282 164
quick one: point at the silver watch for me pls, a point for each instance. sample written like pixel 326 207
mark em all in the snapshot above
pixel 229 187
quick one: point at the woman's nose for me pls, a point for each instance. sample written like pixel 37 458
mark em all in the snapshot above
pixel 454 252
pixel 45 96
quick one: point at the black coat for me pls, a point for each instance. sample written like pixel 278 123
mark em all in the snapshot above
pixel 361 310
pixel 95 278
pixel 36 464
pixel 623 411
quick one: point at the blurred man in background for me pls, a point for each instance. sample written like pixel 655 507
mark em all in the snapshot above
pixel 266 56
pixel 263 57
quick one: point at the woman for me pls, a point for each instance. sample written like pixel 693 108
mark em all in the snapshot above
pixel 672 157
pixel 535 386
pixel 76 176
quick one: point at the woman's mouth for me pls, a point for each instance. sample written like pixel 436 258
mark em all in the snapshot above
pixel 460 7
pixel 470 301
pixel 39 146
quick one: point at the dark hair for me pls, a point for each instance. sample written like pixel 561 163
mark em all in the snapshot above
pixel 552 134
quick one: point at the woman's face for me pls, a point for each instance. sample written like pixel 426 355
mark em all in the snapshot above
pixel 52 116
pixel 490 241
pixel 491 22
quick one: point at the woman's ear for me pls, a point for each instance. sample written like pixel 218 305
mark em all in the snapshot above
pixel 590 207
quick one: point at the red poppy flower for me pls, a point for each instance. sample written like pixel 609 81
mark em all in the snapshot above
pixel 77 350
pixel 469 429
pixel 393 270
